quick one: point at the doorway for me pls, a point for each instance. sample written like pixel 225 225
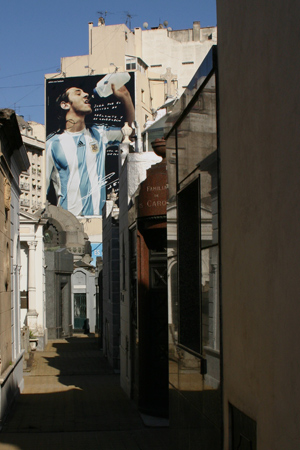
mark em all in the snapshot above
pixel 79 310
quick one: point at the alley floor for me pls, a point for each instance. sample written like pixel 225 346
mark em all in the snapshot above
pixel 72 399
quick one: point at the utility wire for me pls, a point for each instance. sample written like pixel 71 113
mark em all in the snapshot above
pixel 16 102
pixel 30 106
pixel 24 73
pixel 24 85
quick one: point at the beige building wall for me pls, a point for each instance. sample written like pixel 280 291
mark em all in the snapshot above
pixel 180 50
pixel 5 273
pixel 161 54
pixel 92 226
pixel 260 215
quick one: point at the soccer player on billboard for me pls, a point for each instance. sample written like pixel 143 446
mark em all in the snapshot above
pixel 75 157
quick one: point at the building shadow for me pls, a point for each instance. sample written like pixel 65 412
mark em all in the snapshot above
pixel 73 399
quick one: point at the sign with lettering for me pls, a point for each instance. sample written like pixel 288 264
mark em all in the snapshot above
pixel 154 192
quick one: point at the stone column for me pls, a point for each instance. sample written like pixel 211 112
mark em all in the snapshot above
pixel 16 310
pixel 31 313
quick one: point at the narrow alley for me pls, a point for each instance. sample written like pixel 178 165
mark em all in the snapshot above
pixel 73 400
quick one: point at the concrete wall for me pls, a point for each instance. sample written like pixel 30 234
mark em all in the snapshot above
pixel 259 146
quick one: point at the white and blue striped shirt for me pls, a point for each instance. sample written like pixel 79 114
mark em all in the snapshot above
pixel 76 166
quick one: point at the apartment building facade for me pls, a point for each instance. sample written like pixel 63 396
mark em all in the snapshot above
pixel 32 182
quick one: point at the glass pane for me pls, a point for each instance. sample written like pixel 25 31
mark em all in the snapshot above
pixel 79 310
pixel 194 341
pixel 172 244
pixel 210 300
pixel 196 135
pixel 209 201
pixel 189 266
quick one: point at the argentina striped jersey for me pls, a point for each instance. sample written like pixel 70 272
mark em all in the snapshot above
pixel 75 162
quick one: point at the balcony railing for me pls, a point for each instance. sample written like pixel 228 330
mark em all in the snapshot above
pixel 25 186
pixel 24 202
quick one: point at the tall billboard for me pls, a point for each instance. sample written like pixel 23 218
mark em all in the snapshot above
pixel 84 117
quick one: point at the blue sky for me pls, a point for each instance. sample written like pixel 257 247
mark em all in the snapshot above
pixel 35 34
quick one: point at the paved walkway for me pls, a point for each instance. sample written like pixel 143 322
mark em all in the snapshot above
pixel 73 400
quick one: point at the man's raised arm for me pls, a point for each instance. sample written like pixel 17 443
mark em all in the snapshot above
pixel 124 96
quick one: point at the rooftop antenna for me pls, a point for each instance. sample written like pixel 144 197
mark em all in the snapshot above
pixel 128 19
pixel 103 15
pixel 116 68
pixel 90 70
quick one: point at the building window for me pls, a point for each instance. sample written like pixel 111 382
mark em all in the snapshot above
pixel 24 299
pixel 198 232
pixel 134 63
pixel 131 63
pixel 189 266
pixel 194 338
pixel 210 335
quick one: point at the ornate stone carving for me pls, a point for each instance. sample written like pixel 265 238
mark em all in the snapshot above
pixel 126 130
pixel 159 147
pixel 32 245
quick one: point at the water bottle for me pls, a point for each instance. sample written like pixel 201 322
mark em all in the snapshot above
pixel 103 87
